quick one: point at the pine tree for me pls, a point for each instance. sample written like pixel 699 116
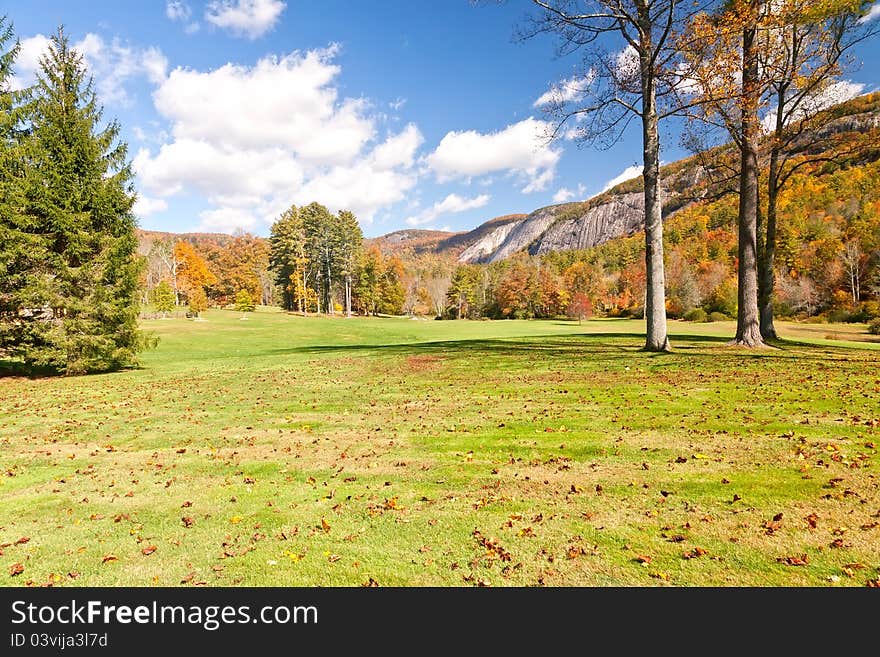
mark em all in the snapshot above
pixel 287 258
pixel 78 301
pixel 24 273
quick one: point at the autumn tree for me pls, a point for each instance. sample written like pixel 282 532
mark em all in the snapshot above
pixel 777 61
pixel 240 264
pixel 162 297
pixel 198 301
pixel 637 81
pixel 244 303
pixel 803 50
pixel 193 271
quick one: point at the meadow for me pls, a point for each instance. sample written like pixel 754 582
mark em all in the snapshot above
pixel 290 451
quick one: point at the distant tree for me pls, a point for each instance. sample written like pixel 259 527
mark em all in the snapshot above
pixel 437 284
pixel 193 272
pixel 349 243
pixel 367 284
pixel 287 259
pixel 391 290
pixel 163 298
pixel 463 290
pixel 162 260
pixel 580 307
pixel 244 303
pixel 198 301
pixel 321 250
pixel 77 304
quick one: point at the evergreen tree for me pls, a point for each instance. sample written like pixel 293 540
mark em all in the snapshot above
pixel 77 301
pixel 24 272
pixel 287 258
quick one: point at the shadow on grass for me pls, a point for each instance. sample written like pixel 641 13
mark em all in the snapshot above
pixel 16 368
pixel 596 346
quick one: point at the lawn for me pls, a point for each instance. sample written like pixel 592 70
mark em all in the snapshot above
pixel 290 451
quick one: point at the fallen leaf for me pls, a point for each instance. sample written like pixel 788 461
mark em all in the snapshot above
pixel 16 569
pixel 325 525
pixel 794 560
pixel 693 554
pixel 812 520
pixel 109 557
pixel 643 559
pixel 147 551
pixel 187 521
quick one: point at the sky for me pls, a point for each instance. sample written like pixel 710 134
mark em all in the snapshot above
pixel 410 113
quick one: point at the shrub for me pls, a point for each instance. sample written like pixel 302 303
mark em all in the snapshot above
pixel 718 317
pixel 874 327
pixel 696 315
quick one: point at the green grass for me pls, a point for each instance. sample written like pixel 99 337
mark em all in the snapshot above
pixel 331 452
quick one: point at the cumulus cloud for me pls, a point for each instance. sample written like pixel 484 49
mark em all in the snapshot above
pixel 451 204
pixel 627 174
pixel 566 91
pixel 833 94
pixel 246 18
pixel 871 15
pixel 564 194
pixel 146 206
pixel 520 149
pixel 111 63
pixel 284 136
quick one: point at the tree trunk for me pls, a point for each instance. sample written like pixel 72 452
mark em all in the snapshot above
pixel 748 329
pixel 655 293
pixel 767 256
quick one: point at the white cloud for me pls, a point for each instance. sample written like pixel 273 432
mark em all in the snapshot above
pixel 833 94
pixel 450 204
pixel 146 206
pixel 871 15
pixel 564 194
pixel 627 174
pixel 627 65
pixel 112 64
pixel 519 148
pixel 399 150
pixel 247 18
pixel 566 91
pixel 226 220
pixel 287 101
pixel 178 11
pixel 284 136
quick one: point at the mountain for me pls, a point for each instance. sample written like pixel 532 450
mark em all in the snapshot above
pixel 619 212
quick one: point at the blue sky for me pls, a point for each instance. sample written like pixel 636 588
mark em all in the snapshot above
pixel 408 112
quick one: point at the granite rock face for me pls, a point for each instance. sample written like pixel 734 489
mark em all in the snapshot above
pixel 620 217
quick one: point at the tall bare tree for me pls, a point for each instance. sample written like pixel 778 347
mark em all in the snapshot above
pixel 630 70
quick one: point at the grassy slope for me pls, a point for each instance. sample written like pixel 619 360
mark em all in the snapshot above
pixel 328 452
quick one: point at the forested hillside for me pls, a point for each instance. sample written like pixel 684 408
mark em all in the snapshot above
pixel 586 257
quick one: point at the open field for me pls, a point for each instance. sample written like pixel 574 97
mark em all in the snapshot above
pixel 288 451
